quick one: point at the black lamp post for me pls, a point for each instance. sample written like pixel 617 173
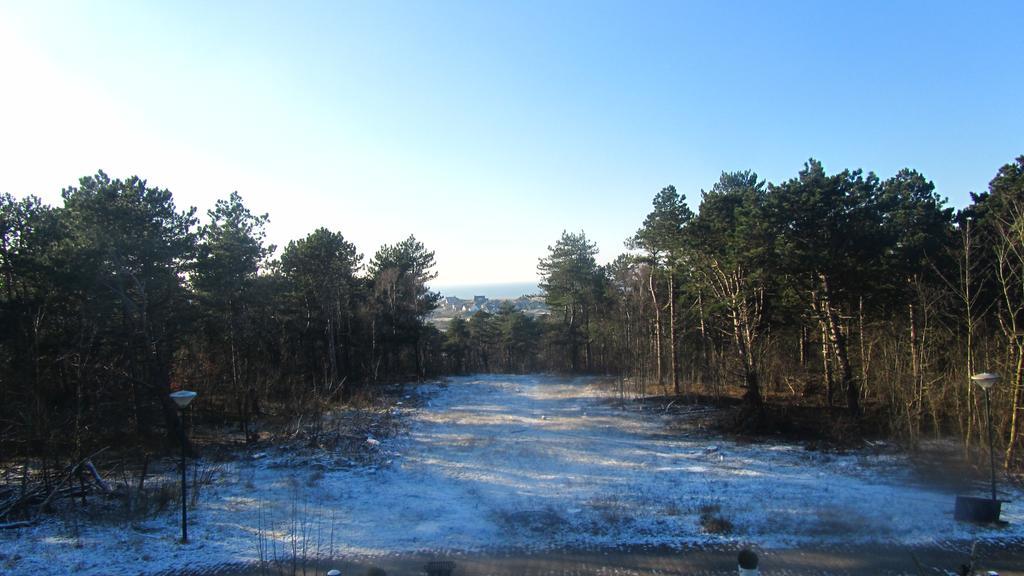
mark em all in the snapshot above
pixel 972 508
pixel 182 398
pixel 985 381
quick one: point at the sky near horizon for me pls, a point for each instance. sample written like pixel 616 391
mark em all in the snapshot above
pixel 486 128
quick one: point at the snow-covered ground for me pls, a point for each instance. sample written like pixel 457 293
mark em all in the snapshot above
pixel 529 463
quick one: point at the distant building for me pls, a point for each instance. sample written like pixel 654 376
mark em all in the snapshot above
pixel 449 307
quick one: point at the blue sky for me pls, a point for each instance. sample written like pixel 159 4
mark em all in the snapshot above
pixel 486 128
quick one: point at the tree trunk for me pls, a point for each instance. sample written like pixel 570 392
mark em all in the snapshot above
pixel 657 329
pixel 588 350
pixel 863 348
pixel 1015 391
pixel 332 357
pixel 743 341
pixel 803 346
pixel 672 332
pixel 241 401
pixel 826 362
pixel 838 339
pixel 570 315
pixel 917 398
pixel 418 353
pixel 704 360
pixel 965 279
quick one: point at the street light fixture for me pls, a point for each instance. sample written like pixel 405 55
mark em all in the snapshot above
pixel 971 508
pixel 985 381
pixel 183 398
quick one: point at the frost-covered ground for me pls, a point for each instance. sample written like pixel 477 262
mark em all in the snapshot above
pixel 527 463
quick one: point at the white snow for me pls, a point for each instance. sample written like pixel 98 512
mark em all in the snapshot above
pixel 532 462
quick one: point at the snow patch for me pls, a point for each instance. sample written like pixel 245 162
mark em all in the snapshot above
pixel 527 462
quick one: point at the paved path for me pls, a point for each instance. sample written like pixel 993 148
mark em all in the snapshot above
pixel 872 560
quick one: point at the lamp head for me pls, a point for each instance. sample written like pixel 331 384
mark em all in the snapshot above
pixel 182 398
pixel 985 380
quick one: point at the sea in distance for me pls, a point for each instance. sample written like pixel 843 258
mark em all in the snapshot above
pixel 495 291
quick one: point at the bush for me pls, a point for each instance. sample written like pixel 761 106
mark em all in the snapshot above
pixel 712 521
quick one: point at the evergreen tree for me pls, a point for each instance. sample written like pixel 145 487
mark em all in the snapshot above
pixel 322 268
pixel 571 281
pixel 731 252
pixel 231 252
pixel 661 239
pixel 457 345
pixel 133 248
pixel 831 250
pixel 399 274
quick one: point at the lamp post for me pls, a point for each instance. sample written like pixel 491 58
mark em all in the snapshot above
pixel 985 381
pixel 183 398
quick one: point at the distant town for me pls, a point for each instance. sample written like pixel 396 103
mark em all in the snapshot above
pixel 454 307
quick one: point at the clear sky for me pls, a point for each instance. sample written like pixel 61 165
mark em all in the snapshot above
pixel 485 128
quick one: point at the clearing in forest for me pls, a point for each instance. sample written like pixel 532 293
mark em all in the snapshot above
pixel 528 463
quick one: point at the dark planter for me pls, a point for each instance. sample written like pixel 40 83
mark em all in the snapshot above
pixel 979 510
pixel 747 560
pixel 439 568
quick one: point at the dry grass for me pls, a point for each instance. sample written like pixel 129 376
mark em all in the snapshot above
pixel 712 521
pixel 544 521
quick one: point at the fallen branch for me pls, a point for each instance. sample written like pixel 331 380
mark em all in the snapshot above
pixel 18 524
pixel 29 497
pixel 96 477
pixel 70 473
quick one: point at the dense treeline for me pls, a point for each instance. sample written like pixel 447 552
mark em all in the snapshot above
pixel 117 297
pixel 840 289
pixel 508 341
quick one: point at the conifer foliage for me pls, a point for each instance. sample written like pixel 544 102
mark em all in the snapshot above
pixel 842 290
